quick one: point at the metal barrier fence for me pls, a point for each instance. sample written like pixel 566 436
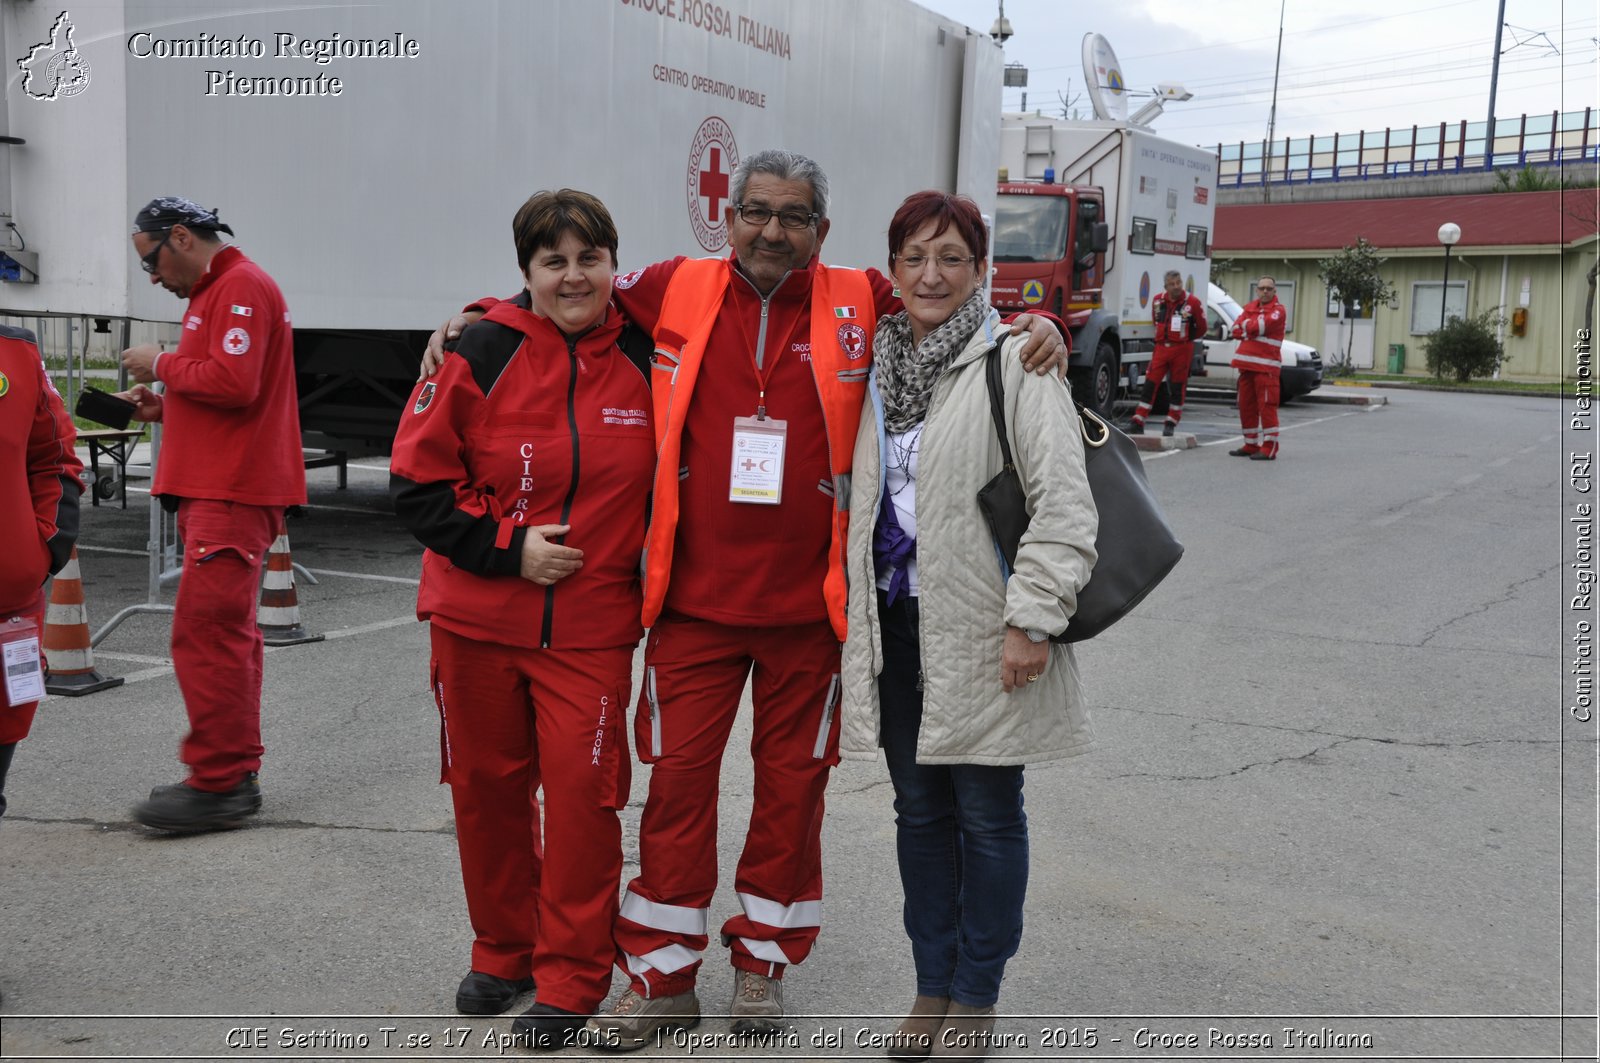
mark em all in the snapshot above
pixel 1556 139
pixel 79 348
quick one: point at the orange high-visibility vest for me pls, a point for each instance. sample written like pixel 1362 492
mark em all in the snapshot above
pixel 689 311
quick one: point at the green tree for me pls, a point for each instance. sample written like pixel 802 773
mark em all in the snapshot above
pixel 1355 277
pixel 1466 347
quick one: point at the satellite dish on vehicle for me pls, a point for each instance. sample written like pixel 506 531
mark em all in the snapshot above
pixel 1108 90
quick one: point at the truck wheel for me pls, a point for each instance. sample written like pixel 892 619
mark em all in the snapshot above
pixel 1096 388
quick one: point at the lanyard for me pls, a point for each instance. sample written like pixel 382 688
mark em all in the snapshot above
pixel 761 379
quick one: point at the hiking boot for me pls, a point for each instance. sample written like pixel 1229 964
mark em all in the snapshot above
pixel 488 994
pixel 1168 428
pixel 634 1021
pixel 182 809
pixel 1244 452
pixel 913 1039
pixel 547 1027
pixel 757 1003
pixel 1135 428
pixel 967 1034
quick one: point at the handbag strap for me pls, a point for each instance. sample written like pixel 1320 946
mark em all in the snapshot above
pixel 996 403
pixel 1096 430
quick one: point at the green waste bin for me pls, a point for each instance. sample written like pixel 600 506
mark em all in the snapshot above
pixel 1397 358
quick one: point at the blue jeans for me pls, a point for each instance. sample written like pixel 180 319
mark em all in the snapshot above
pixel 961 838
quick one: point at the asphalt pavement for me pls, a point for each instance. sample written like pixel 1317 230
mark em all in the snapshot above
pixel 1337 809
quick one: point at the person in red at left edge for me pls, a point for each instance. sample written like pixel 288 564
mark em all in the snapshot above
pixel 1179 321
pixel 39 489
pixel 525 470
pixel 1259 359
pixel 230 462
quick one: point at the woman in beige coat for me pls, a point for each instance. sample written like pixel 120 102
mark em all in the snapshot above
pixel 948 666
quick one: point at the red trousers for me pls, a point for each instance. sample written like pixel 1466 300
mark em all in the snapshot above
pixel 513 719
pixel 695 672
pixel 216 646
pixel 1258 410
pixel 1173 365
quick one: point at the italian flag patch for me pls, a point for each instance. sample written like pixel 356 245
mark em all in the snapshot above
pixel 242 311
pixel 844 311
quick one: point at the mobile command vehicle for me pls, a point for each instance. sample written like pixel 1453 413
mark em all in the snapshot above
pixel 1089 218
pixel 371 157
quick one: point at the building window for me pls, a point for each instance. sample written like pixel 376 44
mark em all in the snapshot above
pixel 1196 245
pixel 1425 305
pixel 1142 241
pixel 1358 310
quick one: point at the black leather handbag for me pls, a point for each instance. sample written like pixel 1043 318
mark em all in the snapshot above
pixel 1135 543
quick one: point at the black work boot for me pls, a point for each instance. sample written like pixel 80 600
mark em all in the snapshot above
pixel 545 1027
pixel 1135 428
pixel 489 994
pixel 182 809
pixel 1168 428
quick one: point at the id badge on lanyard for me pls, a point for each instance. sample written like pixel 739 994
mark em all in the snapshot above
pixel 757 473
pixel 19 656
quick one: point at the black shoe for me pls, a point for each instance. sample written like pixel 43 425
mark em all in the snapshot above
pixel 488 994
pixel 1168 428
pixel 546 1027
pixel 1243 452
pixel 1135 428
pixel 182 809
pixel 1263 457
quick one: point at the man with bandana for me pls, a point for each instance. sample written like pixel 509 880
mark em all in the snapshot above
pixel 230 462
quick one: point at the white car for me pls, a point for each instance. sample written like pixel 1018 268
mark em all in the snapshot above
pixel 1302 365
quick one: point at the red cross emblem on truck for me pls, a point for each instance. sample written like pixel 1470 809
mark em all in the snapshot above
pixel 712 159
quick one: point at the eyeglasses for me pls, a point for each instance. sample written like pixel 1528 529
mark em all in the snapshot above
pixel 945 263
pixel 1265 288
pixel 149 261
pixel 789 219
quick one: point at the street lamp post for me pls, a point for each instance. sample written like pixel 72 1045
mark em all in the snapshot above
pixel 1449 234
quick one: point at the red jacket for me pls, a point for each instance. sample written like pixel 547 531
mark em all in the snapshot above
pixel 1191 322
pixel 523 427
pixel 1260 332
pixel 230 410
pixel 39 484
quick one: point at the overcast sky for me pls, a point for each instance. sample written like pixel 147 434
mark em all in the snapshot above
pixel 1351 65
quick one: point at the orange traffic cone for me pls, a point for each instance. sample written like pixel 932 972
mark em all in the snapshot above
pixel 279 613
pixel 66 638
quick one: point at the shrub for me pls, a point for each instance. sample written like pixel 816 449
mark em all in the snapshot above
pixel 1466 347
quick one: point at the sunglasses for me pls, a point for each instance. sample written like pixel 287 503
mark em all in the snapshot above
pixel 149 261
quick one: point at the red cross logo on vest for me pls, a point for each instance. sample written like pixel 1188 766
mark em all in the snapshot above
pixel 712 159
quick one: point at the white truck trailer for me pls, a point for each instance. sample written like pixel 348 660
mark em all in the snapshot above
pixel 1090 217
pixel 371 156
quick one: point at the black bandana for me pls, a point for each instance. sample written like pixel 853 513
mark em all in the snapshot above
pixel 163 212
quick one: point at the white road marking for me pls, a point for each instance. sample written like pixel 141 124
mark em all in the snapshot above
pixel 363 575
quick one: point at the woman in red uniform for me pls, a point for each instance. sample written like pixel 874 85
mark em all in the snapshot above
pixel 39 490
pixel 524 467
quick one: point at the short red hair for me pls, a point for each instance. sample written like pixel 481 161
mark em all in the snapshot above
pixel 950 212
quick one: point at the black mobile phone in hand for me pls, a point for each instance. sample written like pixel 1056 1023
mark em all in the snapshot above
pixel 104 408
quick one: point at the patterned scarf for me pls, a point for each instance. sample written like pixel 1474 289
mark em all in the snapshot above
pixel 906 376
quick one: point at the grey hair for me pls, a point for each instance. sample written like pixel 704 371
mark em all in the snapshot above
pixel 1171 273
pixel 787 166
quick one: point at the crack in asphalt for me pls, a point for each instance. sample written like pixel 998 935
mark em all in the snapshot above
pixel 1344 640
pixel 1509 595
pixel 1237 771
pixel 1343 737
